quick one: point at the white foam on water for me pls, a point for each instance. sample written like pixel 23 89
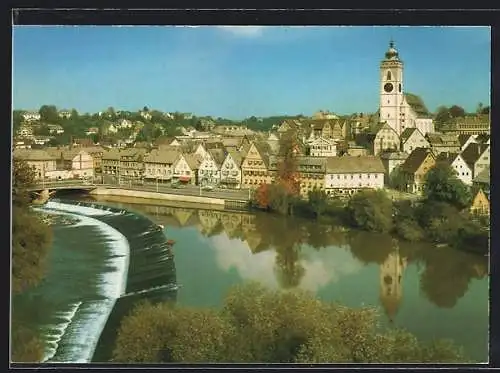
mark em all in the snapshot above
pixel 84 329
pixel 59 330
pixel 79 340
pixel 171 286
pixel 76 209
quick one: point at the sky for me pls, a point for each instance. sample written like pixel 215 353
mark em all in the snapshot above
pixel 239 71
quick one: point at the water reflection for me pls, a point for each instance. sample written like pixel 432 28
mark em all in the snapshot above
pixel 294 252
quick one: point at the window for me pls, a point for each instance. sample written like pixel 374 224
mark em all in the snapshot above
pixel 389 75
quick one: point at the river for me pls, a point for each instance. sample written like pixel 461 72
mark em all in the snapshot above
pixel 432 292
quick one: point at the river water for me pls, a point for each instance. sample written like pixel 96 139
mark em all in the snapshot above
pixel 432 292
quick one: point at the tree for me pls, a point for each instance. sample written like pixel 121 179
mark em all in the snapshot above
pixel 457 111
pixel 485 110
pixel 442 184
pixel 261 196
pixel 287 174
pixel 17 119
pixel 49 114
pixel 256 324
pixel 74 114
pixel 397 179
pixel 318 201
pixel 23 175
pixel 442 115
pixel 371 210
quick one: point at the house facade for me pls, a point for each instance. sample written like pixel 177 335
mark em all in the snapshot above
pixel 210 167
pixel 311 174
pixel 412 138
pixel 230 174
pixel 31 116
pixel 158 165
pixel 385 139
pixel 322 147
pixel 416 167
pixel 346 175
pixel 480 204
pixel 463 171
pixel 39 160
pixel 391 160
pixel 254 168
pixel 477 157
pixel 443 143
pixel 82 165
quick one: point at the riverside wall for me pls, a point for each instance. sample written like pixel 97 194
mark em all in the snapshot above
pixel 157 196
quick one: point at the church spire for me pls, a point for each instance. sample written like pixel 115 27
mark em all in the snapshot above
pixel 391 53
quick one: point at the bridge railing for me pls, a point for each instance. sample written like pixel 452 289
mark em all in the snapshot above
pixel 228 194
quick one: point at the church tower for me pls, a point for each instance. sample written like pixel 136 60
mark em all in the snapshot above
pixel 391 288
pixel 391 89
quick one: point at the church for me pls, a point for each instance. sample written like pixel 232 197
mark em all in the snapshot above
pixel 398 109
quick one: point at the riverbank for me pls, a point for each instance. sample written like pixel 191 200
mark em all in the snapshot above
pixel 209 201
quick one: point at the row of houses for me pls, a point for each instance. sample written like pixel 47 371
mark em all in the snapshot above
pixel 245 163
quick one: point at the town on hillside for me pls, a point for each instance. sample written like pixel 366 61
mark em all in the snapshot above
pixel 338 154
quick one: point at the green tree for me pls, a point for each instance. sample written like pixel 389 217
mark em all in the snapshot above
pixel 259 325
pixel 22 177
pixel 397 179
pixel 74 115
pixel 442 184
pixel 371 210
pixel 485 110
pixel 457 111
pixel 442 115
pixel 49 114
pixel 17 119
pixel 318 201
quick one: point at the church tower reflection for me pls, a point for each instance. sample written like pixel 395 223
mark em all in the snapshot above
pixel 391 288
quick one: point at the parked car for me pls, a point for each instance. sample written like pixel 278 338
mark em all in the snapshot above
pixel 208 188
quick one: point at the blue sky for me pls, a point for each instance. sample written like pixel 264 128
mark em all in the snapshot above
pixel 236 72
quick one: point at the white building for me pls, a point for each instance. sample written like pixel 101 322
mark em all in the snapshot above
pixel 201 151
pixel 321 147
pixel 345 175
pixel 82 165
pixel 65 114
pixel 231 170
pixel 462 169
pixel 146 115
pixel 158 165
pixel 55 129
pixel 31 116
pixel 25 131
pixel 124 123
pixel 477 156
pixel 396 108
pixel 39 160
pixel 412 138
pixel 391 160
pixel 209 171
pixel 183 171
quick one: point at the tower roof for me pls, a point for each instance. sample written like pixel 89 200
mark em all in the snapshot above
pixel 392 53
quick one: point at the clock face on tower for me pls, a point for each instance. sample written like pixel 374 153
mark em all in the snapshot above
pixel 388 87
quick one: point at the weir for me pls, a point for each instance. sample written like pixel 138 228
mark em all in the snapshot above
pixel 149 273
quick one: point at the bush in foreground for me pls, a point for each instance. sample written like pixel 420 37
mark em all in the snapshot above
pixel 256 325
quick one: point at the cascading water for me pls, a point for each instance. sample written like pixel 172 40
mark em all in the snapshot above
pixel 111 259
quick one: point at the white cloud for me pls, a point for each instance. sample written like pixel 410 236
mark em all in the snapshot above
pixel 244 31
pixel 321 268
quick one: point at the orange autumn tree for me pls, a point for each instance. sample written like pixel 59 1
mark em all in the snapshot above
pixel 287 174
pixel 262 196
